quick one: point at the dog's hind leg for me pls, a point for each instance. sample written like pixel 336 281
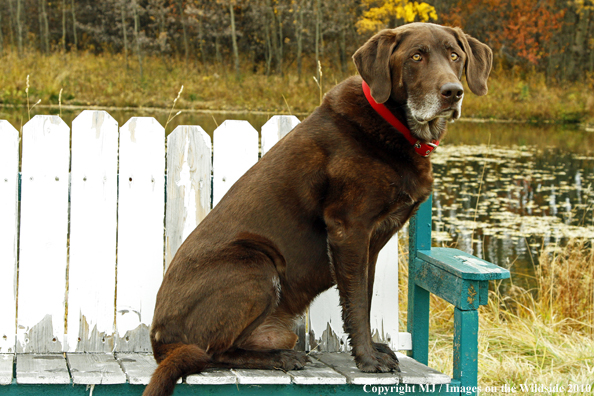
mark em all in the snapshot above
pixel 269 346
pixel 280 359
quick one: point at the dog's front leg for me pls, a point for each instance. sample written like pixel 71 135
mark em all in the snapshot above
pixel 348 243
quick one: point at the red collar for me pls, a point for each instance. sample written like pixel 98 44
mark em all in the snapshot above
pixel 423 149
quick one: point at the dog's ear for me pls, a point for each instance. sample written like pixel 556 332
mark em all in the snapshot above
pixel 479 59
pixel 373 63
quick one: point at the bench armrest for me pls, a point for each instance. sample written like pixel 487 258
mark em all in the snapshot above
pixel 459 278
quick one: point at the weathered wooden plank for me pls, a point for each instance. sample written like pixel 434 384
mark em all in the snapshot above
pixel 6 363
pixel 189 166
pixel 466 326
pixel 275 129
pixel 261 377
pixel 212 377
pixel 345 365
pixel 384 316
pixel 457 291
pixel 141 217
pixel 462 264
pixel 316 373
pixel 43 235
pixel 235 151
pixel 41 369
pixel 9 179
pixel 95 369
pixel 326 327
pixel 93 213
pixel 413 372
pixel 138 367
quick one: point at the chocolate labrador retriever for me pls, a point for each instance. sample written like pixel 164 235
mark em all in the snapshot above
pixel 315 212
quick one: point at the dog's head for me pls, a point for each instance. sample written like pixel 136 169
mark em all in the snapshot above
pixel 420 66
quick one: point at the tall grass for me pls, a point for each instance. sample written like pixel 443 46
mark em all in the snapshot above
pixel 539 336
pixel 104 80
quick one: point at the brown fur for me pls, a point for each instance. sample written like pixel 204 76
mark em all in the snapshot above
pixel 313 212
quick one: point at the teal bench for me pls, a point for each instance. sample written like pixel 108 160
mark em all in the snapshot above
pixel 59 343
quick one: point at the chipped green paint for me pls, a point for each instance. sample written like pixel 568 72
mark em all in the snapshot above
pixel 471 295
pixel 466 347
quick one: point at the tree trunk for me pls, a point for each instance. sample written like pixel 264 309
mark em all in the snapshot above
pixel 43 28
pixel 343 54
pixel 218 54
pixel 11 22
pixel 73 9
pixel 124 31
pixel 280 42
pixel 268 46
pixel 19 28
pixel 318 12
pixel 273 34
pixel 299 24
pixel 201 42
pixel 64 25
pixel 40 23
pixel 1 38
pixel 183 22
pixel 234 41
pixel 136 38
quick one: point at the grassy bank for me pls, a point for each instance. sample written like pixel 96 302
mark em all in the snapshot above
pixel 104 80
pixel 543 336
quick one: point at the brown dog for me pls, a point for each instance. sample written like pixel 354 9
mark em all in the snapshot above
pixel 313 212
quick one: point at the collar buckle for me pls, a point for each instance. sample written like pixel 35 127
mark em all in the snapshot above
pixel 424 149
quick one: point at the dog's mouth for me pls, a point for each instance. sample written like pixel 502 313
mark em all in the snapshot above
pixel 428 128
pixel 451 114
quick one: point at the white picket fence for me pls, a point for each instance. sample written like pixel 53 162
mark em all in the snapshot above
pixel 96 226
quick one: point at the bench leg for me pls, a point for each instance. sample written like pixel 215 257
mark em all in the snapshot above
pixel 466 348
pixel 418 323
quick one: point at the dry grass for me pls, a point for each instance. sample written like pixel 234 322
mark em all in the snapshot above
pixel 543 336
pixel 104 80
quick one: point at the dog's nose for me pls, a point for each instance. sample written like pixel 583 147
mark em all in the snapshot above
pixel 452 92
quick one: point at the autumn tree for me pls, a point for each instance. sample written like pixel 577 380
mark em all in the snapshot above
pixel 391 13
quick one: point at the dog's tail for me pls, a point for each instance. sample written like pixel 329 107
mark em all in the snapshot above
pixel 179 360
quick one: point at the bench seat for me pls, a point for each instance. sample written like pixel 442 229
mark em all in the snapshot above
pixel 136 368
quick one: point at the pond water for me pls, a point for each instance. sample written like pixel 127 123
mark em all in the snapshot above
pixel 503 191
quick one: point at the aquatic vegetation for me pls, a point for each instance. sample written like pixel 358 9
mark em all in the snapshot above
pixel 530 199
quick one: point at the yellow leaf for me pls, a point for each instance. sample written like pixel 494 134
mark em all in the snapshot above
pixel 381 14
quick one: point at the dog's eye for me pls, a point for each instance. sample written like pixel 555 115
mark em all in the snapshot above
pixel 454 56
pixel 417 57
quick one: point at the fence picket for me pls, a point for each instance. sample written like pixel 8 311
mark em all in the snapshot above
pixel 189 166
pixel 384 305
pixel 235 151
pixel 275 129
pixel 9 178
pixel 326 326
pixel 43 235
pixel 93 228
pixel 140 230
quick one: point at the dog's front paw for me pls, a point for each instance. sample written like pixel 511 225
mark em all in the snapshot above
pixel 292 360
pixel 383 348
pixel 380 360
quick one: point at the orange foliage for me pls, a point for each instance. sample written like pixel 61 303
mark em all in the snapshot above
pixel 522 27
